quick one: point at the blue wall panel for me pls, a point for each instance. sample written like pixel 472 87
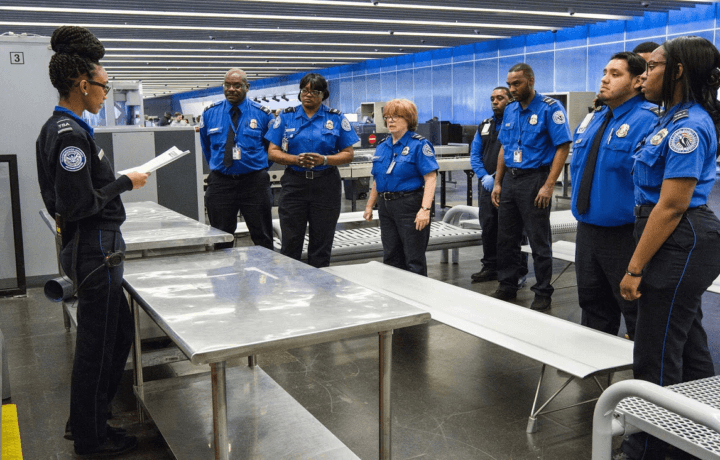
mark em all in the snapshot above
pixel 572 75
pixel 405 85
pixel 334 100
pixel 650 25
pixel 486 78
pixel 571 38
pixel 463 84
pixel 687 20
pixel 543 64
pixel 359 93
pixel 598 57
pixel 374 89
pixel 388 85
pixel 442 92
pixel 423 92
pixel 346 95
pixel 606 32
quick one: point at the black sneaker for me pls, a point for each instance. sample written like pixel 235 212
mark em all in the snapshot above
pixel 541 303
pixel 503 295
pixel 114 445
pixel 110 430
pixel 485 274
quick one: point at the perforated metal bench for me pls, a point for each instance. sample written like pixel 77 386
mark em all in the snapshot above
pixel 686 415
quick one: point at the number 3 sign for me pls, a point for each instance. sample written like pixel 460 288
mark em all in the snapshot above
pixel 17 58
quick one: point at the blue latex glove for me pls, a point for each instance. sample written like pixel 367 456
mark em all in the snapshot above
pixel 487 182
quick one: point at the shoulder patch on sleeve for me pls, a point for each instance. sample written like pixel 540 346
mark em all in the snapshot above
pixel 72 159
pixel 683 140
pixel 289 110
pixel 655 109
pixel 548 100
pixel 345 123
pixel 417 136
pixel 680 115
pixel 334 111
pixel 213 105
pixel 64 126
pixel 558 117
pixel 427 150
pixel 276 123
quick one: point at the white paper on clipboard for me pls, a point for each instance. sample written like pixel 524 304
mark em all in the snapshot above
pixel 167 157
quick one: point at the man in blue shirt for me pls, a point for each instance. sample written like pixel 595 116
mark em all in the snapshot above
pixel 535 139
pixel 483 159
pixel 232 136
pixel 602 194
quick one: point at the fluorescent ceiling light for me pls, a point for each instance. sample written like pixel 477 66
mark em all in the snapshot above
pixel 201 50
pixel 253 42
pixel 244 61
pixel 420 6
pixel 271 17
pixel 257 29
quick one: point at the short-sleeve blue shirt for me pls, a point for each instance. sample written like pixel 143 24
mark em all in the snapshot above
pixel 414 157
pixel 612 193
pixel 254 121
pixel 682 145
pixel 536 131
pixel 326 133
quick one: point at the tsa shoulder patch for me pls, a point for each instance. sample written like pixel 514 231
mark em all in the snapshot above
pixel 559 117
pixel 428 151
pixel 684 140
pixel 345 124
pixel 276 123
pixel 72 159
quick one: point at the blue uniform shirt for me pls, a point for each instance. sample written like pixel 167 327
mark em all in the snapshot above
pixel 413 156
pixel 611 195
pixel 682 145
pixel 535 132
pixel 476 150
pixel 251 129
pixel 326 133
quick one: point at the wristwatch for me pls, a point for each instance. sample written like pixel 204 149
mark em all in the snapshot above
pixel 325 160
pixel 424 208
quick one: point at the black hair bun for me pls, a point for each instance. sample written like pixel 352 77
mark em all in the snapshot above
pixel 77 40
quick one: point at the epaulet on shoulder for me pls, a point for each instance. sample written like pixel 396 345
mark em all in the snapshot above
pixel 64 126
pixel 418 137
pixel 654 109
pixel 334 111
pixel 680 115
pixel 548 100
pixel 289 110
pixel 213 105
pixel 265 109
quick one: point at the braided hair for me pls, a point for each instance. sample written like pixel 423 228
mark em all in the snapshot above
pixel 701 74
pixel 77 53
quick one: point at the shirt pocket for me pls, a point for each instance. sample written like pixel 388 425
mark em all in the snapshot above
pixel 619 155
pixel 329 141
pixel 648 170
pixel 217 138
pixel 376 165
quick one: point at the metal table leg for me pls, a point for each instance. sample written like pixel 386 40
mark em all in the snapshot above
pixel 137 358
pixel 385 407
pixel 469 173
pixel 442 189
pixel 219 405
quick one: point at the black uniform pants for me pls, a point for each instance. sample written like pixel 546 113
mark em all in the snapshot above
pixel 403 246
pixel 248 193
pixel 670 342
pixel 104 334
pixel 488 218
pixel 602 255
pixel 517 211
pixel 313 203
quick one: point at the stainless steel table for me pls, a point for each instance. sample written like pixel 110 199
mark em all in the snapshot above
pixel 245 301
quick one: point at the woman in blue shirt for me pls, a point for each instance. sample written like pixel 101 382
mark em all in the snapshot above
pixel 312 140
pixel 678 251
pixel 405 173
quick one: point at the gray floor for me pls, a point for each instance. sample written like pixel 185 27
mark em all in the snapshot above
pixel 455 396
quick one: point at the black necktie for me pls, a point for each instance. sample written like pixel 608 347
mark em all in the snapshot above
pixel 583 200
pixel 230 142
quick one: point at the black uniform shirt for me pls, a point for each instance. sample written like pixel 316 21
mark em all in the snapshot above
pixel 76 179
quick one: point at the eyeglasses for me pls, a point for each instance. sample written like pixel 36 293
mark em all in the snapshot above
pixel 105 88
pixel 392 118
pixel 652 64
pixel 236 86
pixel 310 92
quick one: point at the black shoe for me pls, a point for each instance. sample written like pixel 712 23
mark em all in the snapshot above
pixel 110 430
pixel 114 445
pixel 541 303
pixel 485 274
pixel 503 295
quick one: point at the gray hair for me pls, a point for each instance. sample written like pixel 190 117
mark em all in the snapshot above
pixel 243 75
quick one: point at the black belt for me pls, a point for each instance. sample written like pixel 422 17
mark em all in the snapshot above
pixel 309 174
pixel 644 210
pixel 389 196
pixel 236 176
pixel 521 172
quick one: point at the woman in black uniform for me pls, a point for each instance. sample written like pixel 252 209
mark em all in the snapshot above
pixel 79 187
pixel 678 251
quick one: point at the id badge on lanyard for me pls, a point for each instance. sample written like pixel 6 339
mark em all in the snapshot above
pixel 517 155
pixel 236 152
